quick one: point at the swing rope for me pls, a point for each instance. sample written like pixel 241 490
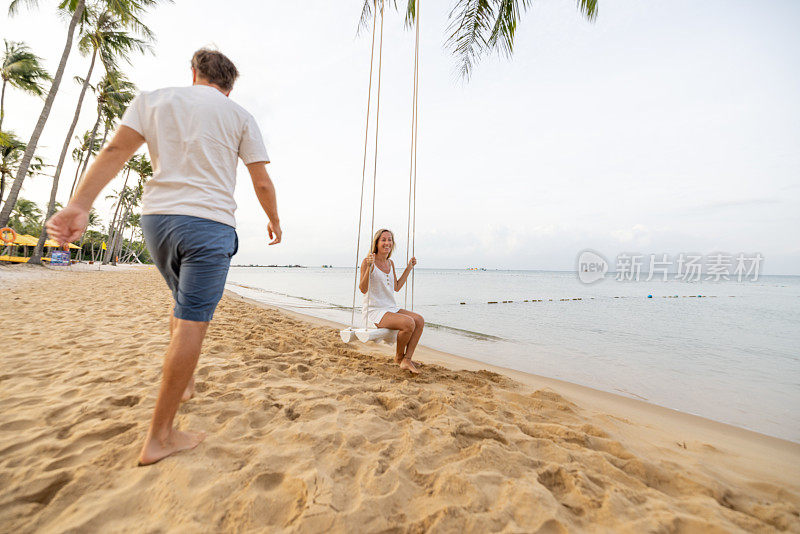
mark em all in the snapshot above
pixel 363 169
pixel 411 233
pixel 375 164
pixel 413 238
pixel 412 186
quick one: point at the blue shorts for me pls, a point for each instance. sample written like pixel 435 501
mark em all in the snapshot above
pixel 193 255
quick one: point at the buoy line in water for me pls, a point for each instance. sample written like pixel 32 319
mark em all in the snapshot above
pixel 582 298
pixel 330 306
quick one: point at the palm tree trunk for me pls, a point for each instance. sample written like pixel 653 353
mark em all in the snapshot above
pixel 2 104
pixel 2 185
pixel 37 253
pixel 112 226
pixel 22 171
pixel 131 248
pixel 88 151
pixel 121 231
pixel 77 173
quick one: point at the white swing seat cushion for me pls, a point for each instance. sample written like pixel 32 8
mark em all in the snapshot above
pixel 369 334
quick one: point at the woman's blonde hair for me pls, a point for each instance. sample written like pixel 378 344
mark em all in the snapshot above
pixel 378 237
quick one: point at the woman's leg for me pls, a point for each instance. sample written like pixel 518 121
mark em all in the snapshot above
pixel 405 327
pixel 419 324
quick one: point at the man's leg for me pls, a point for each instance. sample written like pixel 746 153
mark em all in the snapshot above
pixel 195 264
pixel 188 393
pixel 182 354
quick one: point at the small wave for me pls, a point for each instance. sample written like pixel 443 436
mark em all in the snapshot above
pixel 322 305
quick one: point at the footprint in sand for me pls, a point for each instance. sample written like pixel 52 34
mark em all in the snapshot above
pixel 19 424
pixel 45 489
pixel 268 481
pixel 128 400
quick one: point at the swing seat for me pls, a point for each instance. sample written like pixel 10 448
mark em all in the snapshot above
pixel 369 334
pixel 348 335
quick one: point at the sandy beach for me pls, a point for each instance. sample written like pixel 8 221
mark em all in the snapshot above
pixel 307 434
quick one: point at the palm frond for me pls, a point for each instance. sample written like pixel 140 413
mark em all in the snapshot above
pixel 22 68
pixel 411 13
pixel 505 26
pixel 478 27
pixel 366 11
pixel 588 8
pixel 471 23
pixel 366 15
pixel 115 93
pixel 107 35
pixel 15 6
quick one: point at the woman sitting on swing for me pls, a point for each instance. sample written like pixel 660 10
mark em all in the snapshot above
pixel 379 283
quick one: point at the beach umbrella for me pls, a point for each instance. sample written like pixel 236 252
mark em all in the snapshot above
pixel 26 240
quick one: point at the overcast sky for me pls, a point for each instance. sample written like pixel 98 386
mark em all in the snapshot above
pixel 659 128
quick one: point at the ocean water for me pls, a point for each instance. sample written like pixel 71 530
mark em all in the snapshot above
pixel 732 355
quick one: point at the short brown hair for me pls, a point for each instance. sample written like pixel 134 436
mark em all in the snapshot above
pixel 215 67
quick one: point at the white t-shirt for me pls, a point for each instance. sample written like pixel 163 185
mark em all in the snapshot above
pixel 195 135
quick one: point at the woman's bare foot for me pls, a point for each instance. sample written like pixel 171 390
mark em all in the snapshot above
pixel 408 365
pixel 155 450
pixel 398 358
pixel 189 391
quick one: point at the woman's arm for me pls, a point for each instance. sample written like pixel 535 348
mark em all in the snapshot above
pixel 366 268
pixel 398 284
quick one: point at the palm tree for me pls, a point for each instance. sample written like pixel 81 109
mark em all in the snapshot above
pixel 22 69
pixel 11 150
pixel 114 94
pixel 130 197
pixel 88 146
pixel 478 27
pixel 77 7
pixel 94 220
pixel 104 36
pixel 26 217
pixel 118 204
pixel 127 10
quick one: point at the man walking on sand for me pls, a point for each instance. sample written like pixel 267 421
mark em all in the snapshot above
pixel 195 136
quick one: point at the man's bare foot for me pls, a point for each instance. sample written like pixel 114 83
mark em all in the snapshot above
pixel 408 365
pixel 188 393
pixel 155 450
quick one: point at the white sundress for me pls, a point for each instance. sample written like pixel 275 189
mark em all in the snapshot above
pixel 380 297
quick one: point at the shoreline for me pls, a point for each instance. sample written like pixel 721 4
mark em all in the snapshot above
pixel 684 425
pixel 614 400
pixel 307 434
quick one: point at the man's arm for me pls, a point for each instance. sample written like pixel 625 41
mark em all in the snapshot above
pixel 265 191
pixel 69 224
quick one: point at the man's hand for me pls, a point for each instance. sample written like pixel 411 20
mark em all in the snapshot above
pixel 68 224
pixel 275 233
